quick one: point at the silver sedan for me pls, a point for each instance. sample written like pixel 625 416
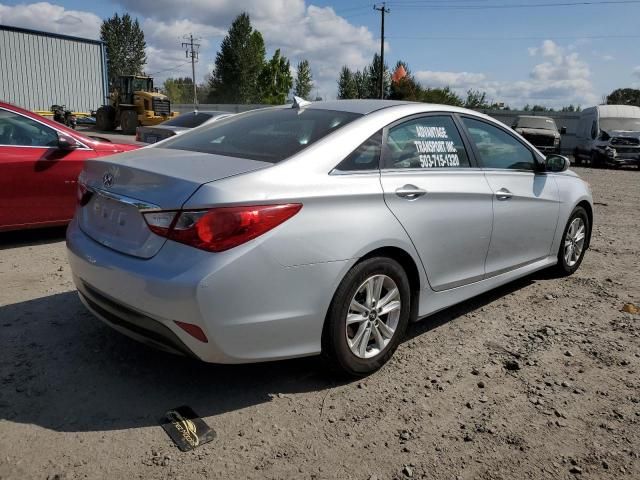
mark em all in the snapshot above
pixel 178 125
pixel 318 228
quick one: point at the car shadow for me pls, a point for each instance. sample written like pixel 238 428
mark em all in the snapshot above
pixel 30 237
pixel 62 369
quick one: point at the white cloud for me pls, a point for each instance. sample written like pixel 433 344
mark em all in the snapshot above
pixel 299 29
pixel 561 78
pixel 51 18
pixel 450 79
pixel 318 34
pixel 636 71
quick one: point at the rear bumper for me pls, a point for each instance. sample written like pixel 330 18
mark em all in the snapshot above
pixel 250 307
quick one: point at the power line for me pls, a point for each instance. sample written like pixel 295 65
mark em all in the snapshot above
pixel 503 37
pixel 420 5
pixel 171 69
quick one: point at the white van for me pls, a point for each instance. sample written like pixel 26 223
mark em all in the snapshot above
pixel 609 135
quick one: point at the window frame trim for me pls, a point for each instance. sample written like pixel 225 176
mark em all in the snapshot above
pixel 440 113
pixel 537 161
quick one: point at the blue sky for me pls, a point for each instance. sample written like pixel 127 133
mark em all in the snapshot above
pixel 552 55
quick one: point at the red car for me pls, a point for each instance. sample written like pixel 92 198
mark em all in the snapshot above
pixel 40 161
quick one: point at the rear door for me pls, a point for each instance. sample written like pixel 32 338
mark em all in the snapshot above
pixel 38 180
pixel 525 200
pixel 443 201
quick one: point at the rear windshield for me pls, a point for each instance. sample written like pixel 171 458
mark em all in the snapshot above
pixel 189 120
pixel 537 122
pixel 268 135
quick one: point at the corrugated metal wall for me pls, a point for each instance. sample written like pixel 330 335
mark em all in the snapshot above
pixel 39 69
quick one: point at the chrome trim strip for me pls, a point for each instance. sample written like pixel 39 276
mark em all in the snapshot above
pixel 139 204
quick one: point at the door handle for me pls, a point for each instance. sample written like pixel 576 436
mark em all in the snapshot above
pixel 410 192
pixel 504 194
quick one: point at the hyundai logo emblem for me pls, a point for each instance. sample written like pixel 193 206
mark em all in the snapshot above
pixel 107 179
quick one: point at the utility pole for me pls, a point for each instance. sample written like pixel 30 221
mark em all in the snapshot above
pixel 382 9
pixel 192 51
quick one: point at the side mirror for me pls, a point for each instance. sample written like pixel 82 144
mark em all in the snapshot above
pixel 563 130
pixel 66 143
pixel 556 163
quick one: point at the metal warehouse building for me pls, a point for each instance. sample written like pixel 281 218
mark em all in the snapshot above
pixel 39 69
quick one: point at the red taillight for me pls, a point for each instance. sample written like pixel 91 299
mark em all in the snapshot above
pixel 193 330
pixel 220 229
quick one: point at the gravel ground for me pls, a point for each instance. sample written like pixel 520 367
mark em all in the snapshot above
pixel 539 379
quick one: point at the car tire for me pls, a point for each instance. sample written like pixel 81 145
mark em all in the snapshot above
pixel 568 264
pixel 344 323
pixel 129 122
pixel 595 161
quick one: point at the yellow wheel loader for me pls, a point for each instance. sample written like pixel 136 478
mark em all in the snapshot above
pixel 133 102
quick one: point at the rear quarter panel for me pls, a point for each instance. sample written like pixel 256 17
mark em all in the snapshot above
pixel 572 190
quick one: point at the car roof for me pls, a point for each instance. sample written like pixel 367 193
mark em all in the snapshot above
pixel 355 106
pixel 630 111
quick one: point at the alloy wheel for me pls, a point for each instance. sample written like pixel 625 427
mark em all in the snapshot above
pixel 373 316
pixel 574 241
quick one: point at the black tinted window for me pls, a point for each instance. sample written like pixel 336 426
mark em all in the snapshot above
pixel 188 120
pixel 365 157
pixel 497 148
pixel 269 135
pixel 426 142
pixel 18 130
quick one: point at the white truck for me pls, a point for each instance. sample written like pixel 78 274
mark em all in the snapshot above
pixel 609 135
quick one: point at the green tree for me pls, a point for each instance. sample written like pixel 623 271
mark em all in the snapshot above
pixel 346 84
pixel 275 80
pixel 362 83
pixel 179 90
pixel 373 73
pixel 125 44
pixel 624 96
pixel 476 99
pixel 238 64
pixel 304 80
pixel 444 96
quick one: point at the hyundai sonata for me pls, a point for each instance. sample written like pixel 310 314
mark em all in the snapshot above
pixel 318 228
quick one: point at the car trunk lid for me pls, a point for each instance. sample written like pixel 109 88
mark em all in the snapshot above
pixel 122 188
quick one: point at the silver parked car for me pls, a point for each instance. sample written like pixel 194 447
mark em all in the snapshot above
pixel 322 228
pixel 178 125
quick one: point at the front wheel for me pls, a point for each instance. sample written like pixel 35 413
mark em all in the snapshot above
pixel 574 242
pixel 129 122
pixel 367 317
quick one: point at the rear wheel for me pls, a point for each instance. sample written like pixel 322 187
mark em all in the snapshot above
pixel 595 160
pixel 106 118
pixel 367 317
pixel 574 242
pixel 129 122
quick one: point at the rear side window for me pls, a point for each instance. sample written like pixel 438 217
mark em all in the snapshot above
pixel 426 142
pixel 268 135
pixel 188 120
pixel 497 148
pixel 365 157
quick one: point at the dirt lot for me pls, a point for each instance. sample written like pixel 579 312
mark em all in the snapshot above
pixel 78 400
